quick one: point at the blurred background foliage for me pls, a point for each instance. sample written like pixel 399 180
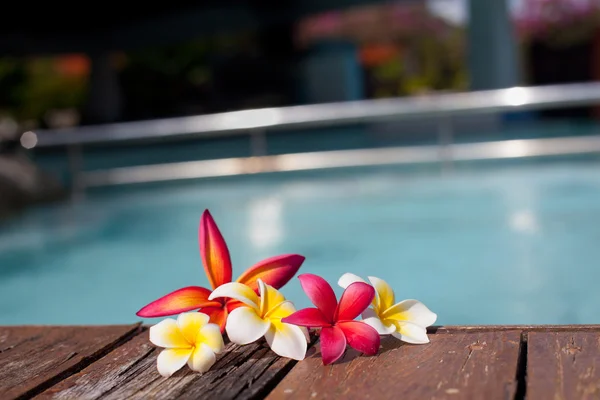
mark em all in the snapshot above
pixel 30 87
pixel 404 49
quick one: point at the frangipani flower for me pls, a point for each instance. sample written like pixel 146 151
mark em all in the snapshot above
pixel 275 271
pixel 191 339
pixel 261 316
pixel 407 320
pixel 336 321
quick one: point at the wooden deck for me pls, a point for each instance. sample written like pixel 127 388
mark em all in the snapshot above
pixel 490 362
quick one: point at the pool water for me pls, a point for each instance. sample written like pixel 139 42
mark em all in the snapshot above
pixel 495 245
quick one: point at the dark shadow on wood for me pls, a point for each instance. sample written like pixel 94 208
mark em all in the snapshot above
pixel 521 393
pixel 82 364
pixel 492 362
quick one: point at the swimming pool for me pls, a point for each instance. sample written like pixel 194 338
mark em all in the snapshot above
pixel 496 245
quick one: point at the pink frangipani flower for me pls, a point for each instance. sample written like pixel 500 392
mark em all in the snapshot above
pixel 336 321
pixel 274 271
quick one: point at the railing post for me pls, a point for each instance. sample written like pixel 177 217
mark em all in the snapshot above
pixel 445 140
pixel 258 142
pixel 75 156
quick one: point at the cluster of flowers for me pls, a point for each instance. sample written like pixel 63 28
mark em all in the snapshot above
pixel 252 308
pixel 564 20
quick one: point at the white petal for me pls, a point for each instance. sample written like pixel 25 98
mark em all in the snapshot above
pixel 270 297
pixel 210 335
pixel 167 334
pixel 411 333
pixel 190 323
pixel 245 326
pixel 238 291
pixel 412 311
pixel 202 359
pixel 385 293
pixel 370 318
pixel 283 310
pixel 287 341
pixel 170 361
pixel 347 279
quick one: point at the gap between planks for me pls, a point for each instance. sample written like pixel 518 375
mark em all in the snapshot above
pixel 271 382
pixel 241 372
pixel 65 354
pixel 394 372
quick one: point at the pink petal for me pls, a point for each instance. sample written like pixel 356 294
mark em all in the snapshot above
pixel 185 299
pixel 310 317
pixel 355 299
pixel 361 336
pixel 333 344
pixel 320 293
pixel 214 252
pixel 274 271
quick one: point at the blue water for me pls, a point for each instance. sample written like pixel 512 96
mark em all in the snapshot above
pixel 501 244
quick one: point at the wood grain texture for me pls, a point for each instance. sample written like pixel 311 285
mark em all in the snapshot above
pixel 480 365
pixel 462 362
pixel 563 365
pixel 34 358
pixel 129 372
pixel 498 328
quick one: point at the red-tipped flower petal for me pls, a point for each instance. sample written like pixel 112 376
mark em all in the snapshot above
pixel 214 252
pixel 361 336
pixel 218 315
pixel 333 344
pixel 355 299
pixel 274 271
pixel 310 317
pixel 232 304
pixel 186 299
pixel 320 293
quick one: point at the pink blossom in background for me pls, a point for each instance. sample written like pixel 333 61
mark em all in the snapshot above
pixel 537 17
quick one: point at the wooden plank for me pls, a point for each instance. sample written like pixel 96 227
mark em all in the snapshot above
pixel 129 372
pixel 34 358
pixel 453 366
pixel 563 365
pixel 524 328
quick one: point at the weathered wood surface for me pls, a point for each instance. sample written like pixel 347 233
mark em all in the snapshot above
pixel 488 362
pixel 523 328
pixel 129 372
pixel 34 358
pixel 461 365
pixel 563 365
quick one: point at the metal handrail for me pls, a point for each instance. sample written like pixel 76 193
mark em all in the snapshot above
pixel 330 114
pixel 504 149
